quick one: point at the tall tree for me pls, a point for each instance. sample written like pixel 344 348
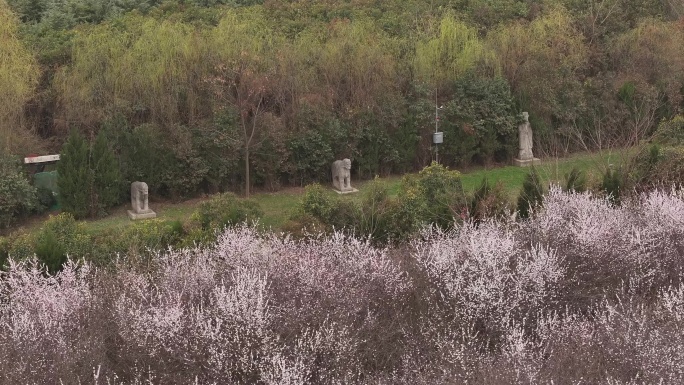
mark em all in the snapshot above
pixel 106 191
pixel 244 46
pixel 447 52
pixel 75 176
pixel 542 61
pixel 18 78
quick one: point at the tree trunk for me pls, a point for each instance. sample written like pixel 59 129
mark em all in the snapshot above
pixel 246 171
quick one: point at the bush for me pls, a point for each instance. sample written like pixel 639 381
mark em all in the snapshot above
pixel 662 164
pixel 225 210
pixel 21 246
pixel 139 239
pixel 531 195
pixel 613 185
pixel 443 194
pixel 576 180
pixel 46 198
pixel 318 202
pixel 488 202
pixel 17 196
pixel 61 237
pixel 408 211
pixel 670 132
pixel 221 211
pixel 4 251
pixel 375 218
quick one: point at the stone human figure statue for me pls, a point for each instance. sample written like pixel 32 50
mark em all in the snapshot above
pixel 525 132
pixel 341 176
pixel 525 156
pixel 140 202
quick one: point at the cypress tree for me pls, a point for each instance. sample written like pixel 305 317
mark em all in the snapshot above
pixel 531 195
pixel 74 176
pixel 106 176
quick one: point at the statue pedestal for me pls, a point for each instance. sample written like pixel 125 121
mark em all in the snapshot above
pixel 353 190
pixel 527 162
pixel 146 215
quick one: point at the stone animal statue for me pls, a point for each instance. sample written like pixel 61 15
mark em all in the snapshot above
pixel 340 175
pixel 140 197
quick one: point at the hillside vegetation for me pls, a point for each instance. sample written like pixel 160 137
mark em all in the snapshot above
pixel 206 96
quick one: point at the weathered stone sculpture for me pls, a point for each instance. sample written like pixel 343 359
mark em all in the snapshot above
pixel 140 202
pixel 525 156
pixel 341 176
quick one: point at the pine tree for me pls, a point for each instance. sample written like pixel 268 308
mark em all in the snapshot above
pixel 531 195
pixel 106 176
pixel 75 176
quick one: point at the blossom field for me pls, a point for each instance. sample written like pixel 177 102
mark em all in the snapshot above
pixel 582 293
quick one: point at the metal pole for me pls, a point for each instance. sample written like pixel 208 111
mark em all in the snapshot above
pixel 436 127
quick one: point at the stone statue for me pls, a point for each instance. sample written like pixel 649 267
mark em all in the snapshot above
pixel 140 202
pixel 525 156
pixel 341 177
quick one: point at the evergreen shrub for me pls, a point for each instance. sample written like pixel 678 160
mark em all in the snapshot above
pixel 613 185
pixel 89 178
pixel 488 202
pixel 576 180
pixel 531 194
pixel 75 177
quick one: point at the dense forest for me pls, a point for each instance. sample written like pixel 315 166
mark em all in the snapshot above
pixel 210 95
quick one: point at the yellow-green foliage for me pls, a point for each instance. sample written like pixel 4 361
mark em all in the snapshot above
pixel 448 52
pixel 670 132
pixel 59 237
pixel 68 233
pixel 662 163
pixel 21 246
pixel 18 77
pixel 539 59
pixel 137 64
pixel 357 60
pixel 149 235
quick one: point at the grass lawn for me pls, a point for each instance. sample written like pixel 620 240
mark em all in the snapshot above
pixel 279 206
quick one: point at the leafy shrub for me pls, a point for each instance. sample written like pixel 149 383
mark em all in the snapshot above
pixel 224 210
pixel 139 239
pixel 375 212
pixel 318 202
pixel 435 196
pixel 661 164
pixel 443 194
pixel 61 237
pixel 21 246
pixel 46 198
pixel 408 210
pixel 670 132
pixel 531 195
pixel 17 196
